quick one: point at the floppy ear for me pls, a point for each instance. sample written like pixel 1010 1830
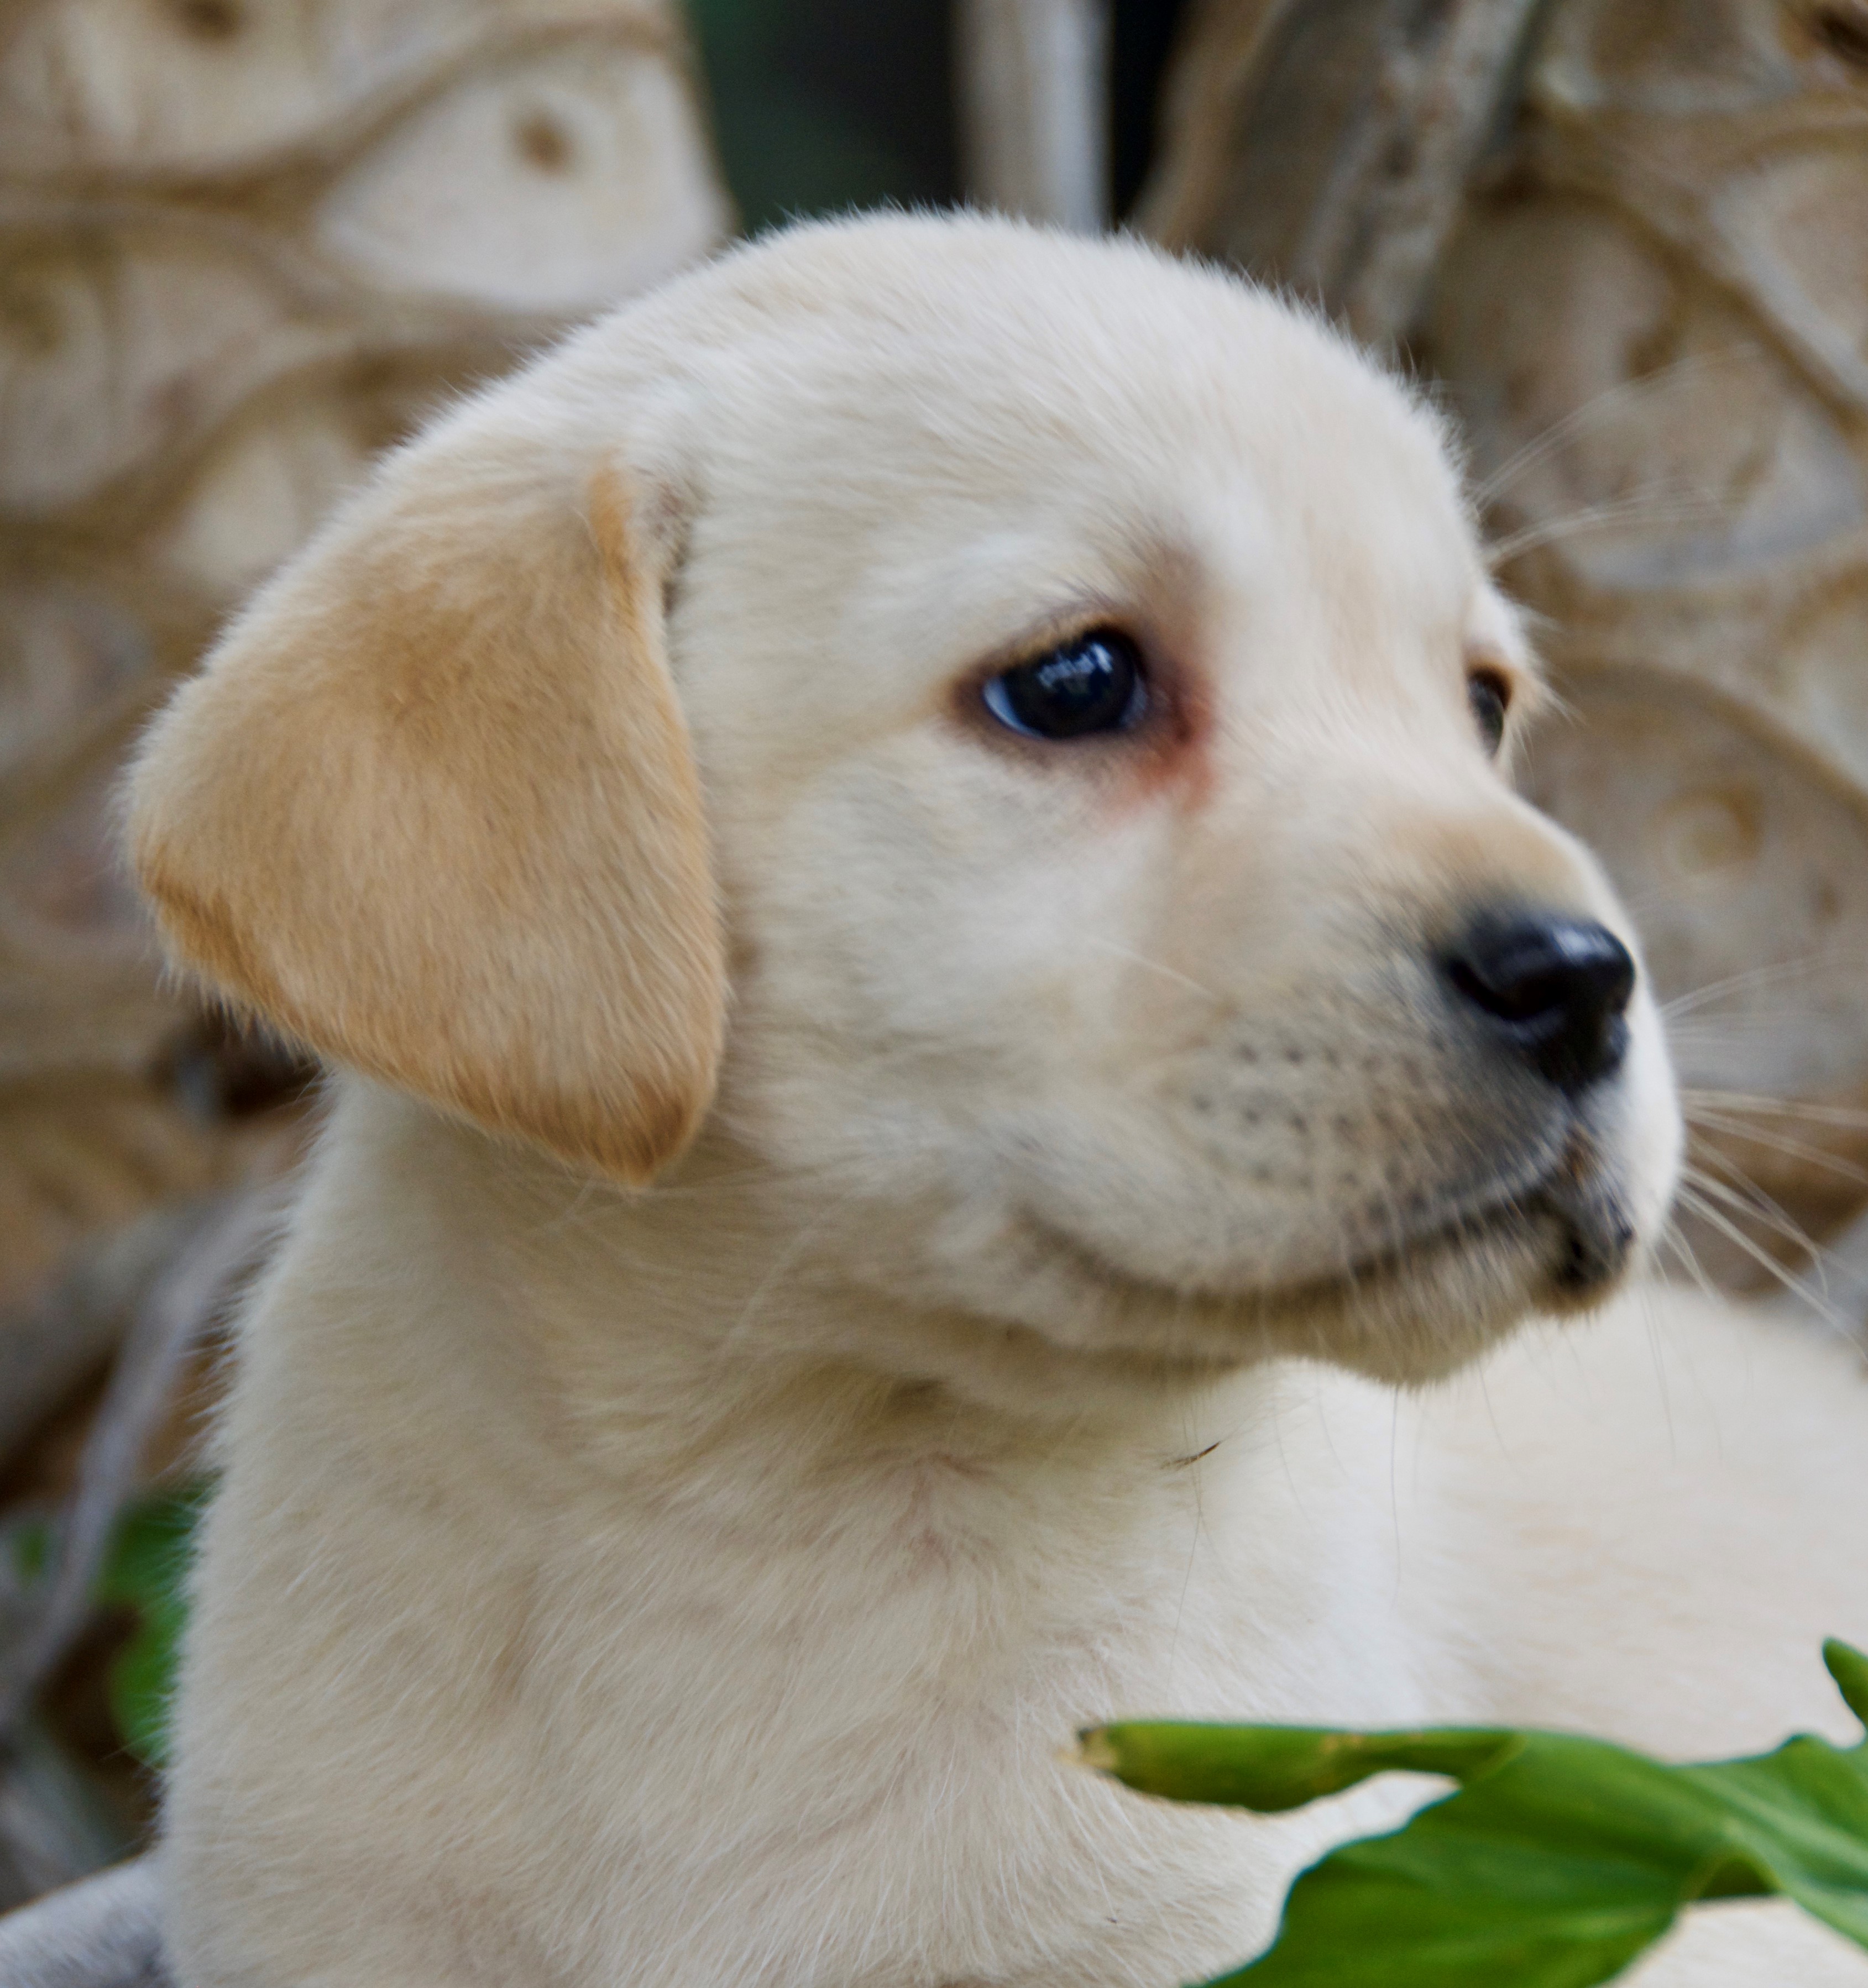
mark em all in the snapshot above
pixel 431 808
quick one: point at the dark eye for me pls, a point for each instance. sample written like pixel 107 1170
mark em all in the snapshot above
pixel 1489 696
pixel 1092 683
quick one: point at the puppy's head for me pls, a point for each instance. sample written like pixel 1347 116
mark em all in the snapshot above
pixel 1102 714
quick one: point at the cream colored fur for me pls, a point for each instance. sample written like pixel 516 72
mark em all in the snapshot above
pixel 699 1582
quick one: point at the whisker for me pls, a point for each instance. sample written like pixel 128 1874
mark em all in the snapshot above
pixel 1691 1198
pixel 1540 448
pixel 1775 973
pixel 1794 1149
pixel 1725 1038
pixel 1849 1116
pixel 1599 517
pixel 1736 1188
pixel 1745 1197
pixel 1671 1238
pixel 1155 966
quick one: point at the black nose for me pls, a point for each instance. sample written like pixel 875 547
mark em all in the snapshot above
pixel 1555 988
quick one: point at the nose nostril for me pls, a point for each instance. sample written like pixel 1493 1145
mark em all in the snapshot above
pixel 1555 989
pixel 1511 996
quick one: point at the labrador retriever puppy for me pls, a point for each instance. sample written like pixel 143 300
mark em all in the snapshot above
pixel 944 1009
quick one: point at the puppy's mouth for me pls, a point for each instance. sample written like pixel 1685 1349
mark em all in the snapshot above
pixel 1569 1227
pixel 1586 1236
pixel 1571 1210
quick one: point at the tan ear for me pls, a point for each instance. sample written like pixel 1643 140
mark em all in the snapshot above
pixel 431 808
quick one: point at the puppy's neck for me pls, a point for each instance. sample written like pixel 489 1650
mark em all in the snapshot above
pixel 675 1326
pixel 635 1381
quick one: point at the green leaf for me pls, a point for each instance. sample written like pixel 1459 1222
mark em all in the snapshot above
pixel 146 1570
pixel 1272 1768
pixel 29 1545
pixel 1555 1864
pixel 1849 1669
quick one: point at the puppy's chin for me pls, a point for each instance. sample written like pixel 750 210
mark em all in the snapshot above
pixel 1445 1304
pixel 1428 1309
pixel 1029 1318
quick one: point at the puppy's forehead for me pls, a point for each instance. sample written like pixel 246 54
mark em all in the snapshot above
pixel 1002 419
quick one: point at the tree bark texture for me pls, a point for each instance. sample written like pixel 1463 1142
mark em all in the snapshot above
pixel 244 244
pixel 1033 86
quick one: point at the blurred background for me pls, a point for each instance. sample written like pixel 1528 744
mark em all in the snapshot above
pixel 245 244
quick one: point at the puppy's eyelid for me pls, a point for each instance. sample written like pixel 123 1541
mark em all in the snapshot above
pixel 1498 696
pixel 1516 673
pixel 1496 677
